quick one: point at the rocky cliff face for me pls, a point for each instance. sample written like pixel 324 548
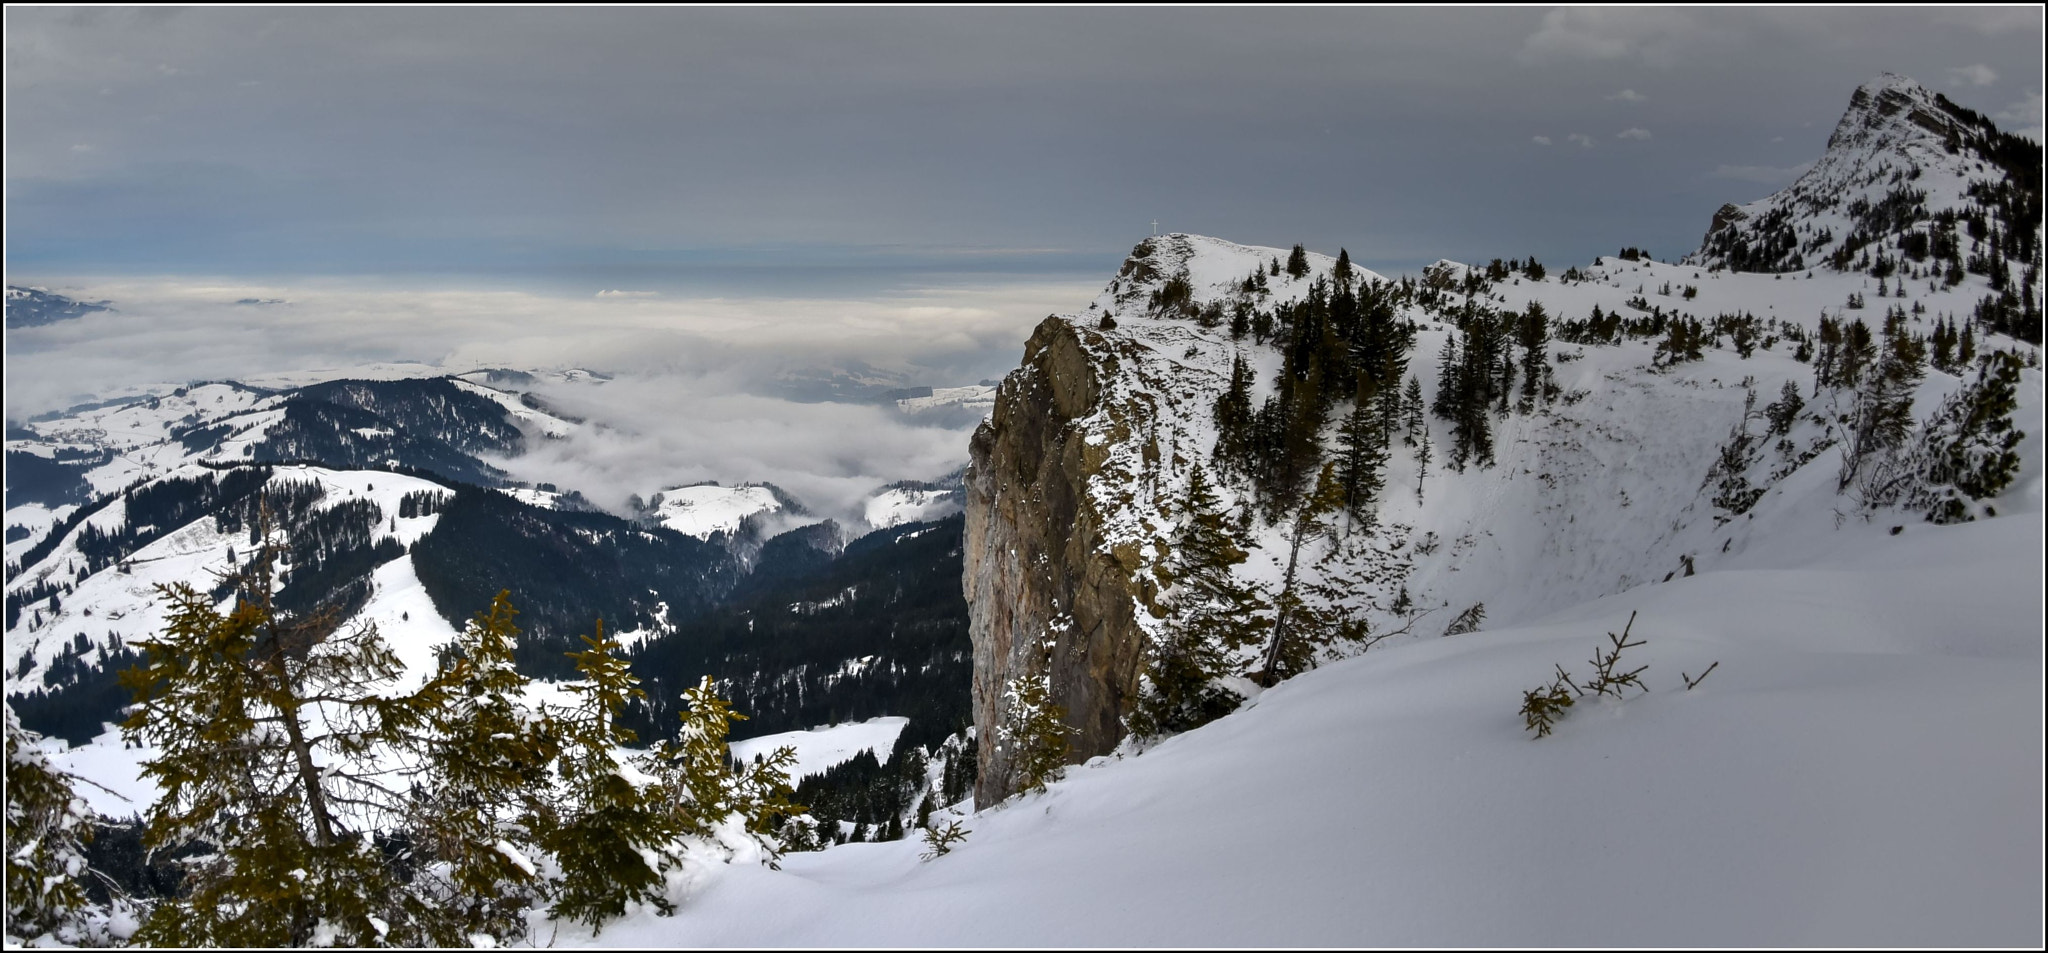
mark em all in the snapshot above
pixel 1070 488
pixel 1042 595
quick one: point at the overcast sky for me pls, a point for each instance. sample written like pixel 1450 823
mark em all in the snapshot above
pixel 680 146
pixel 770 190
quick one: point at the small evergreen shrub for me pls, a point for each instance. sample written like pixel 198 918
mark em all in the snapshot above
pixel 939 841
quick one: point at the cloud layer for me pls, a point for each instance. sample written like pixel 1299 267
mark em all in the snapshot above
pixel 693 397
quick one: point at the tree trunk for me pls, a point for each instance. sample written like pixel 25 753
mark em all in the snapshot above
pixel 1269 671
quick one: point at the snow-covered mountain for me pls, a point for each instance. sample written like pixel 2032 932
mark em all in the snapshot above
pixel 1913 189
pixel 35 307
pixel 1837 741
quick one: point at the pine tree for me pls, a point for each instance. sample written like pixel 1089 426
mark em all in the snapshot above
pixel 1344 273
pixel 1290 649
pixel 48 828
pixel 1035 730
pixel 268 730
pixel 1422 456
pixel 615 833
pixel 485 779
pixel 1297 262
pixel 744 809
pixel 1411 410
pixel 1534 332
pixel 1233 416
pixel 1361 456
pixel 1210 615
pixel 1881 420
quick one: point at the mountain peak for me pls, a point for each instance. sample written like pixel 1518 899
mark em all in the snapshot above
pixel 1892 109
pixel 1909 187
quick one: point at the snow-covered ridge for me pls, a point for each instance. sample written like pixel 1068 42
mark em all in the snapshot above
pixel 112 608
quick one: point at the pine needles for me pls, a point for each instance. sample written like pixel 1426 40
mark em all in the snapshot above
pixel 1544 705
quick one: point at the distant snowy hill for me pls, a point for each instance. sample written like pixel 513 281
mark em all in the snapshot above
pixel 35 307
pixel 707 508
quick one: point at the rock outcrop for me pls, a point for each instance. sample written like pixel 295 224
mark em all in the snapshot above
pixel 1047 596
pixel 1071 482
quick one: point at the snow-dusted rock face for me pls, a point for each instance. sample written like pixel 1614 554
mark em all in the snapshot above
pixel 1037 569
pixel 1902 169
pixel 1069 481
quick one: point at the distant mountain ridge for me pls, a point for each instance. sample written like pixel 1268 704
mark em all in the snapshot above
pixel 35 307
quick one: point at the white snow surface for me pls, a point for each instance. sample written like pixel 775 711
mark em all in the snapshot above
pixel 1864 768
pixel 895 506
pixel 709 508
pixel 819 749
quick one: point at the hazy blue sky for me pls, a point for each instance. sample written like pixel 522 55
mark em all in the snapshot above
pixel 680 148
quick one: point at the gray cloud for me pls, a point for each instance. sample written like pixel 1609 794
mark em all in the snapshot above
pixel 377 140
pixel 692 398
pixel 1761 174
pixel 1976 74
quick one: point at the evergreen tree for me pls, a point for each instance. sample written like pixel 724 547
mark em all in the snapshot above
pixel 1857 352
pixel 1297 262
pixel 1534 332
pixel 48 828
pixel 1411 410
pixel 1296 632
pixel 484 782
pixel 1233 417
pixel 267 729
pixel 1361 456
pixel 1344 274
pixel 615 831
pixel 1210 614
pixel 1422 456
pixel 1881 420
pixel 1035 730
pixel 744 809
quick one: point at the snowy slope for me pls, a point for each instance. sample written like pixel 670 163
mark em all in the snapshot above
pixel 899 505
pixel 112 607
pixel 819 749
pixel 708 508
pixel 1864 768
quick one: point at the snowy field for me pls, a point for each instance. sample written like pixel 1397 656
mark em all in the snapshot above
pixel 1864 768
pixel 819 749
